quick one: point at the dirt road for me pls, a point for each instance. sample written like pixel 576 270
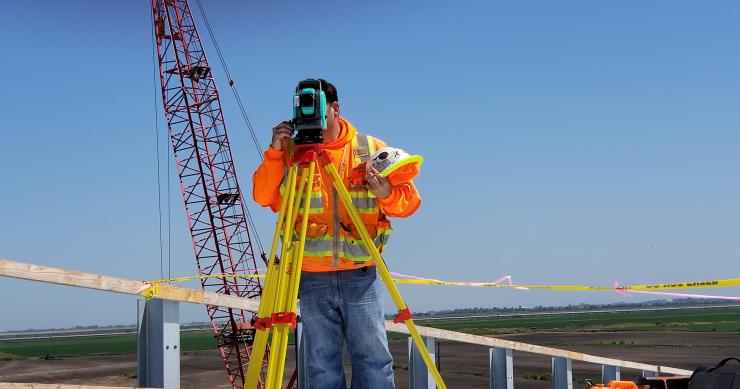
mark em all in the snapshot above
pixel 462 365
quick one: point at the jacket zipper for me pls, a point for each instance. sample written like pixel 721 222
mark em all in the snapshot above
pixel 336 217
pixel 335 233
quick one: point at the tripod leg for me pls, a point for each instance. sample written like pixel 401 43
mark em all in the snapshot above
pixel 404 313
pixel 267 300
pixel 286 302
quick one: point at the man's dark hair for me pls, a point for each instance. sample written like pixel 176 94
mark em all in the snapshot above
pixel 329 90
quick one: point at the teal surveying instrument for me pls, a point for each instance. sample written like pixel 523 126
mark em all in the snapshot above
pixel 309 112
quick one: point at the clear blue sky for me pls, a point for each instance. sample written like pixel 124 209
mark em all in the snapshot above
pixel 565 142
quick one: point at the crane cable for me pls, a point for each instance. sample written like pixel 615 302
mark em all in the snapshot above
pixel 159 169
pixel 232 83
pixel 232 86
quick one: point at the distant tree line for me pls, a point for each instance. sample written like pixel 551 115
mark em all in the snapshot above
pixel 673 303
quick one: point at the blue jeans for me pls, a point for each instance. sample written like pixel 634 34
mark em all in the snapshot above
pixel 344 306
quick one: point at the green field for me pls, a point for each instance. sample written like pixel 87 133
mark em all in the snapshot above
pixel 700 320
pixel 95 345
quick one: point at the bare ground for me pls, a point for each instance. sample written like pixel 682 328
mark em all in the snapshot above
pixel 462 365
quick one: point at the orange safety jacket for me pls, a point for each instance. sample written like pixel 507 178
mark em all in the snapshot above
pixel 332 242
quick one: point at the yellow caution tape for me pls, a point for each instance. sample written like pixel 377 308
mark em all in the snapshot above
pixel 679 285
pixel 188 278
pixel 689 285
pixel 153 289
pixel 497 285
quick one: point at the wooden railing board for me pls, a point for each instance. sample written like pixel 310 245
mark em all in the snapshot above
pixel 531 348
pixel 19 385
pixel 78 279
pixel 175 293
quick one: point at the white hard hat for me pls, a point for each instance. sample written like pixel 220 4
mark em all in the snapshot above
pixel 389 159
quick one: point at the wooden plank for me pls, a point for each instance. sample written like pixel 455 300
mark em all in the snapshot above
pixel 11 385
pixel 78 279
pixel 175 293
pixel 530 348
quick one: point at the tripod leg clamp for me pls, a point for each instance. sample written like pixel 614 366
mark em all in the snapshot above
pixel 284 318
pixel 263 323
pixel 402 315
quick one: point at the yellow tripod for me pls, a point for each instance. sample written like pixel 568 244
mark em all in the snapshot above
pixel 277 310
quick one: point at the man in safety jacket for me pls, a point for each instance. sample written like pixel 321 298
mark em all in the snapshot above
pixel 340 292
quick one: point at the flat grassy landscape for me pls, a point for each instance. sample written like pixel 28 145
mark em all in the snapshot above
pixel 726 319
pixel 95 345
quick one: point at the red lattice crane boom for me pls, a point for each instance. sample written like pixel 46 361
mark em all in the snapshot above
pixel 213 200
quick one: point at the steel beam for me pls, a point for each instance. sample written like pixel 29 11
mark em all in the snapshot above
pixel 501 366
pixel 610 373
pixel 562 373
pixel 649 373
pixel 419 375
pixel 158 353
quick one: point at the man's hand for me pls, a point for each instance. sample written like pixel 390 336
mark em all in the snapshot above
pixel 280 134
pixel 377 184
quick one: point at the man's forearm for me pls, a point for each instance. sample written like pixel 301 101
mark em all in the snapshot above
pixel 266 180
pixel 403 201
